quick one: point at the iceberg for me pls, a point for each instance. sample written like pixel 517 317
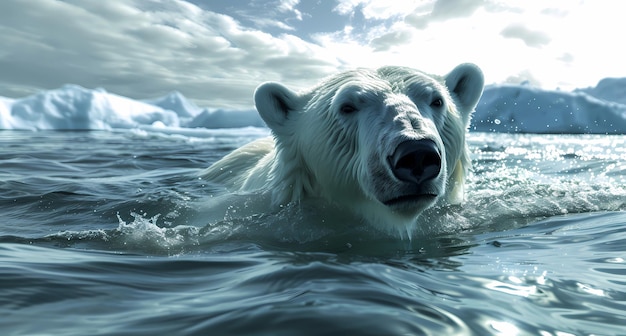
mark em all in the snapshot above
pixel 502 108
pixel 526 109
pixel 75 108
pixel 227 119
pixel 192 116
pixel 609 89
pixel 176 102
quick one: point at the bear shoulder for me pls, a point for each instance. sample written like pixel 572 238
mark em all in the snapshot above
pixel 242 167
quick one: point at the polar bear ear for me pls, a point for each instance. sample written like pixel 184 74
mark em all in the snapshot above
pixel 276 104
pixel 465 83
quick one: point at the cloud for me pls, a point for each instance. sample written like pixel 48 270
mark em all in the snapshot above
pixel 450 9
pixel 289 6
pixel 532 38
pixel 442 10
pixel 524 76
pixel 390 40
pixel 376 9
pixel 144 49
pixel 261 14
pixel 217 52
pixel 555 12
pixel 566 58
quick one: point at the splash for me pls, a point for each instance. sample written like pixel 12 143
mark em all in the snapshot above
pixel 145 233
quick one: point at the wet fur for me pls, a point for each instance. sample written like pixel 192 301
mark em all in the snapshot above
pixel 317 152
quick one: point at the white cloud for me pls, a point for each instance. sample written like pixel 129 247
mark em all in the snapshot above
pixel 392 39
pixel 377 9
pixel 525 76
pixel 290 6
pixel 145 49
pixel 447 9
pixel 532 38
pixel 565 44
pixel 442 10
pixel 268 14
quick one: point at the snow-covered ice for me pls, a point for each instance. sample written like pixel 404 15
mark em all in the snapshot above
pixel 503 108
pixel 527 109
pixel 73 107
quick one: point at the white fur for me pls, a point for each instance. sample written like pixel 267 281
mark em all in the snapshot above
pixel 318 151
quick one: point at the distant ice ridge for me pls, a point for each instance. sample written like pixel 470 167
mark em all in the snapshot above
pixel 503 108
pixel 73 107
pixel 527 109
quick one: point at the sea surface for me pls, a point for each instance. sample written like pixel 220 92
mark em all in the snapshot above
pixel 107 233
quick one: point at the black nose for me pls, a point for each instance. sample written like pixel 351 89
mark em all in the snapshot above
pixel 416 161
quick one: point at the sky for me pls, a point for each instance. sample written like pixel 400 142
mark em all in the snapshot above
pixel 216 52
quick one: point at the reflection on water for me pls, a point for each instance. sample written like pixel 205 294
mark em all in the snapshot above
pixel 102 233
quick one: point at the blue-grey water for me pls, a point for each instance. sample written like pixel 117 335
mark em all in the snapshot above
pixel 104 233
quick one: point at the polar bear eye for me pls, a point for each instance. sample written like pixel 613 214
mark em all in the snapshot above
pixel 438 102
pixel 347 109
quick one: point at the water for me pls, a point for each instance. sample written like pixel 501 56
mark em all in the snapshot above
pixel 105 233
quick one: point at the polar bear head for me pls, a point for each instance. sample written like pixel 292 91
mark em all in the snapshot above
pixel 383 143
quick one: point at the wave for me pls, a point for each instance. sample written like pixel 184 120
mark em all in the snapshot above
pixel 506 205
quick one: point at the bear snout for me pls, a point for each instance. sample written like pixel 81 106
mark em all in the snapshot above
pixel 416 161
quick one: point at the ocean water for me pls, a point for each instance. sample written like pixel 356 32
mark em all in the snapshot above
pixel 107 233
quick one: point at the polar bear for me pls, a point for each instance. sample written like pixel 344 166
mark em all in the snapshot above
pixel 383 144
